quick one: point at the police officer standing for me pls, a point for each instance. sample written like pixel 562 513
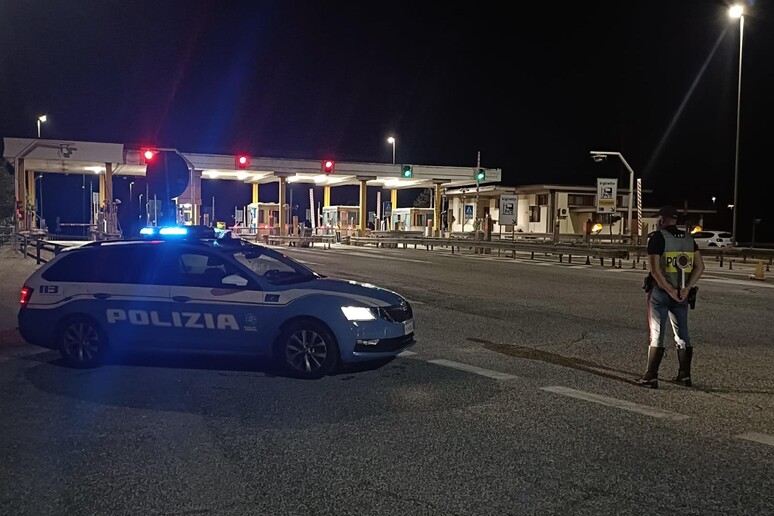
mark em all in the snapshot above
pixel 675 267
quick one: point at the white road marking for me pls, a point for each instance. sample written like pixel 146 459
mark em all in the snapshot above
pixel 758 438
pixel 407 353
pixel 473 369
pixel 385 257
pixel 21 355
pixel 360 252
pixel 307 262
pixel 614 402
pixel 529 261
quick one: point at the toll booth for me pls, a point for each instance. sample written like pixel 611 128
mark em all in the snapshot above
pixel 185 214
pixel 263 217
pixel 340 218
pixel 411 219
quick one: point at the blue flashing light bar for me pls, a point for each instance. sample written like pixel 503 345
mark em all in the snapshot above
pixel 173 231
pixel 177 232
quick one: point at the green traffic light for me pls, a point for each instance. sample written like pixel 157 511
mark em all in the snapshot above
pixel 407 172
pixel 480 175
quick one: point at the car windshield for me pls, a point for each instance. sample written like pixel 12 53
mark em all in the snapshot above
pixel 273 267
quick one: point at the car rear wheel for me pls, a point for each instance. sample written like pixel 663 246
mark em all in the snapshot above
pixel 307 350
pixel 82 343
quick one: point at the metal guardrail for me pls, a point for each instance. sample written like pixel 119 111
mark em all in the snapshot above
pixel 722 253
pixel 740 252
pixel 300 241
pixel 33 246
pixel 6 234
pixel 485 247
pixel 596 247
pixel 541 244
pixel 559 238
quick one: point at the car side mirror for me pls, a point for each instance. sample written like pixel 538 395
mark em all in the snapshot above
pixel 235 280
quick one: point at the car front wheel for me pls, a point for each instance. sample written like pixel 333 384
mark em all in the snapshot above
pixel 82 343
pixel 307 350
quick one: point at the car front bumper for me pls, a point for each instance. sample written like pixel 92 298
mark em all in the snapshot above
pixel 372 340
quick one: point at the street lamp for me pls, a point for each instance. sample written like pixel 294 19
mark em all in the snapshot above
pixel 737 11
pixel 600 156
pixel 391 141
pixel 41 119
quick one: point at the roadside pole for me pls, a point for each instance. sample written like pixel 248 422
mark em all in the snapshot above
pixel 639 210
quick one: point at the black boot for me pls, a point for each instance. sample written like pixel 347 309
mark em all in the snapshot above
pixel 651 375
pixel 684 357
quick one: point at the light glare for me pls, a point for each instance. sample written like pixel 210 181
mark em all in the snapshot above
pixel 736 11
pixel 358 313
pixel 173 231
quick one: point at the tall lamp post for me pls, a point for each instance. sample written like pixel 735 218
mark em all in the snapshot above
pixel 737 11
pixel 600 156
pixel 41 119
pixel 391 140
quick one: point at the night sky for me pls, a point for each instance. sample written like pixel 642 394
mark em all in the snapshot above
pixel 534 87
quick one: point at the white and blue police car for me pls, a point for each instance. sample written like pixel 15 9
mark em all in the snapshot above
pixel 194 293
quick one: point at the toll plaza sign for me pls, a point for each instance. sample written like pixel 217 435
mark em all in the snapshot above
pixel 607 193
pixel 507 210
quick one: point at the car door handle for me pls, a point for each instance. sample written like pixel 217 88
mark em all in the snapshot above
pixel 181 299
pixel 101 295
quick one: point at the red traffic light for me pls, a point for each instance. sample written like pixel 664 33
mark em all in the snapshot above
pixel 242 161
pixel 148 155
pixel 328 165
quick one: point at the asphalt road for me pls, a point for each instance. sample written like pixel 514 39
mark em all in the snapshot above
pixel 516 399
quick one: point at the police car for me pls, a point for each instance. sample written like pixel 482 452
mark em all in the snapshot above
pixel 196 293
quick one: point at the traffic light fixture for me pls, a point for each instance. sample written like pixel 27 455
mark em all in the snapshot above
pixel 148 155
pixel 328 165
pixel 242 161
pixel 480 174
pixel 407 172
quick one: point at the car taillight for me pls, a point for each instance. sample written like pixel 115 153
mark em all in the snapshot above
pixel 25 295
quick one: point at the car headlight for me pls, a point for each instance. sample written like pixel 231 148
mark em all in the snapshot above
pixel 359 313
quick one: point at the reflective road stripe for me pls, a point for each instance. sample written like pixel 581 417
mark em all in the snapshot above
pixel 758 438
pixel 613 402
pixel 473 369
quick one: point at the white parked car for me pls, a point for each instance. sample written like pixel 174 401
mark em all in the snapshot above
pixel 707 238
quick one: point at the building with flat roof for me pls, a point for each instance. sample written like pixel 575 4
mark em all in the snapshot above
pixel 545 208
